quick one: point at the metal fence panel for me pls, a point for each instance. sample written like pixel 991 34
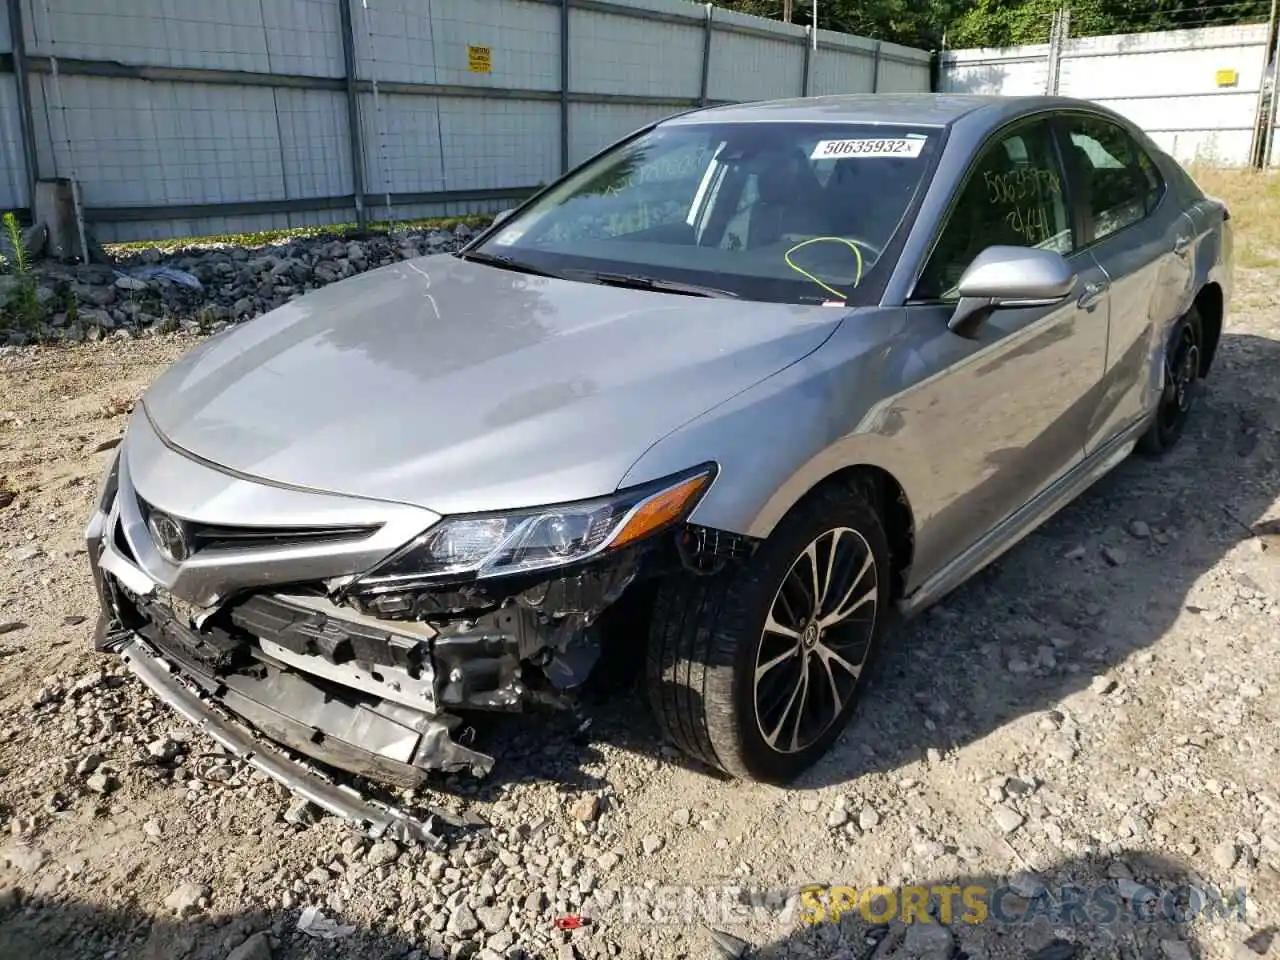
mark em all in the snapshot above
pixel 493 142
pixel 314 147
pixel 284 36
pixel 402 143
pixel 755 67
pixel 303 37
pixel 13 179
pixel 612 54
pixel 1007 71
pixel 844 68
pixel 117 136
pixel 1194 91
pixel 596 125
pixel 411 42
pixel 904 69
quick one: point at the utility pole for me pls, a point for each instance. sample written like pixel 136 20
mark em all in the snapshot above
pixel 814 31
pixel 1264 112
pixel 786 10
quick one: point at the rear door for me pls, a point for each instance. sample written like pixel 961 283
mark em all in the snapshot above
pixel 1130 223
pixel 1001 416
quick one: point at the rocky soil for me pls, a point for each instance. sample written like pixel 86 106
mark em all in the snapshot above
pixel 201 289
pixel 1098 710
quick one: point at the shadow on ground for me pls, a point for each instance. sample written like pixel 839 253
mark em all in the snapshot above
pixel 1132 906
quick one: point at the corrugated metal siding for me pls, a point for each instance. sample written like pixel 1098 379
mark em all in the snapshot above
pixel 1164 82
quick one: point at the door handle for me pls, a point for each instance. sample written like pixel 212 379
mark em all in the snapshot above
pixel 1181 246
pixel 1093 293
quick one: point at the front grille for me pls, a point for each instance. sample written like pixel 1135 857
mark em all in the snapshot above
pixel 206 537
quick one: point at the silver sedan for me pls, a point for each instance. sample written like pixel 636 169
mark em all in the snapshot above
pixel 759 375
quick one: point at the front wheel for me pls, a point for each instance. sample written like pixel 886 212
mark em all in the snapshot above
pixel 1181 380
pixel 756 670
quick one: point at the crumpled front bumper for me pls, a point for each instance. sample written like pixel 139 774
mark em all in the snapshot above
pixel 375 819
pixel 262 708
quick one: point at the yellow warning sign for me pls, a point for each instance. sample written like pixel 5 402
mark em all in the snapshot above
pixel 479 60
pixel 1227 78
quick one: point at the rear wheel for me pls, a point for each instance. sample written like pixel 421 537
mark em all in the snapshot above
pixel 756 670
pixel 1181 381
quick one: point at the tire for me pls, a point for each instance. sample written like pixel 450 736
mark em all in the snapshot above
pixel 708 635
pixel 1183 356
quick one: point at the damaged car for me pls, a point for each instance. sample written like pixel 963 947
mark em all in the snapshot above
pixel 792 368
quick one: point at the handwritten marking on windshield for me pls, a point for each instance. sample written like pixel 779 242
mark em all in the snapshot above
pixel 851 244
pixel 677 165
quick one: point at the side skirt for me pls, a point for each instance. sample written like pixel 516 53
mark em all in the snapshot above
pixel 1010 531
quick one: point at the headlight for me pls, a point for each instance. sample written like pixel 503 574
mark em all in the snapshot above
pixel 525 540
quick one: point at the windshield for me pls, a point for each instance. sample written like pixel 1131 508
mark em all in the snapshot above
pixel 784 212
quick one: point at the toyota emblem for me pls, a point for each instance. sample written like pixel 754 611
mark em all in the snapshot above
pixel 169 537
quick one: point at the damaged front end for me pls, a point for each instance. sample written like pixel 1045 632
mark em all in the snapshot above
pixel 364 669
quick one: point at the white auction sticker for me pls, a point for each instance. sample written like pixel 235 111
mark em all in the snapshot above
pixel 867 147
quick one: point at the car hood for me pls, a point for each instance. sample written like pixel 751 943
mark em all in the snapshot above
pixel 462 387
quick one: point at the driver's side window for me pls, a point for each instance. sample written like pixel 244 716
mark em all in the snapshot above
pixel 1013 197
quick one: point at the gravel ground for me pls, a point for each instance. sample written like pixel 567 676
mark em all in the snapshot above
pixel 1098 710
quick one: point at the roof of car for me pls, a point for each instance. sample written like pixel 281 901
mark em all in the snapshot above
pixel 930 109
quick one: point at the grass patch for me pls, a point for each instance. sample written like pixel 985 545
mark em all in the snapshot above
pixel 1254 200
pixel 267 238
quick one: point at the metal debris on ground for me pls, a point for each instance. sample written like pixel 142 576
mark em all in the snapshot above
pixel 315 924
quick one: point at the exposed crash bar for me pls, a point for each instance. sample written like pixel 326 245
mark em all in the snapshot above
pixel 376 819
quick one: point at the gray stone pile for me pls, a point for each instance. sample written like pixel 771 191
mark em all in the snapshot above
pixel 201 289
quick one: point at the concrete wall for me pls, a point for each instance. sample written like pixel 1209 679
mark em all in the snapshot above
pixel 182 117
pixel 1165 82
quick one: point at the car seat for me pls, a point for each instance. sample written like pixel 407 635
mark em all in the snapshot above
pixel 790 202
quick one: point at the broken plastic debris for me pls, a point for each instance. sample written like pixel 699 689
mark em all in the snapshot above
pixel 315 924
pixel 180 277
pixel 570 921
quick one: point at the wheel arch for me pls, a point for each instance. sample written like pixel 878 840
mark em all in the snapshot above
pixel 887 496
pixel 1210 304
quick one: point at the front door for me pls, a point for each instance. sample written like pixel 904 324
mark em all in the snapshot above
pixel 1000 417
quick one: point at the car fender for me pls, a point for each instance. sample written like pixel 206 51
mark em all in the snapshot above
pixel 778 440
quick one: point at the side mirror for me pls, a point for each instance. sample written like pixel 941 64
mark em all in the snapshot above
pixel 501 215
pixel 1009 277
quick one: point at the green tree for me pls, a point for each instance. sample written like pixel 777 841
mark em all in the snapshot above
pixel 995 23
